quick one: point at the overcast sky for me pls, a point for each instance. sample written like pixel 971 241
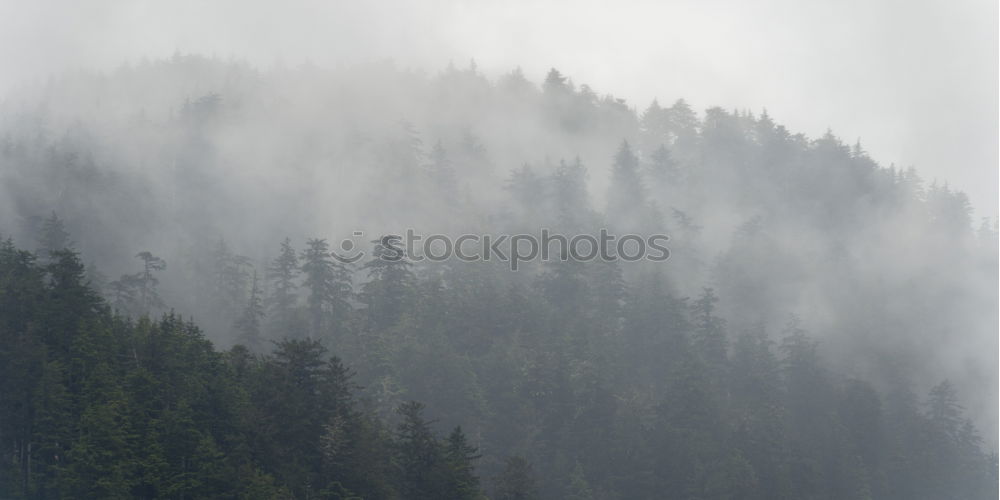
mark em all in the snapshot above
pixel 916 81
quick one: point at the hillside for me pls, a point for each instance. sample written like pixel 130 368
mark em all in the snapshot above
pixel 825 325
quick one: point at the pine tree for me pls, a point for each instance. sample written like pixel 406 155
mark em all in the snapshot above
pixel 249 323
pixel 528 192
pixel 661 170
pixel 757 405
pixel 709 335
pixel 626 195
pixel 463 482
pixel 137 294
pixel 555 82
pixel 282 275
pixel 653 123
pixel 570 200
pixel 229 280
pixel 517 481
pixel 420 455
pixel 53 237
pixel 291 413
pixel 149 297
pixel 329 283
pixel 390 283
pixel 70 300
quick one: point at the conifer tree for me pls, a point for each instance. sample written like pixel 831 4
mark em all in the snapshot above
pixel 53 237
pixel 249 323
pixel 626 196
pixel 517 481
pixel 390 283
pixel 149 297
pixel 420 455
pixel 282 275
pixel 329 284
pixel 461 457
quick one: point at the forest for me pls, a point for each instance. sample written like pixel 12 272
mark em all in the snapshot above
pixel 175 322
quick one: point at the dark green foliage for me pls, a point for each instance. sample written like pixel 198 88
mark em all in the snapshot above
pixel 329 284
pixel 250 321
pixel 571 378
pixel 138 293
pixel 282 275
pixel 460 457
pixel 95 405
pixel 53 236
pixel 229 279
pixel 517 481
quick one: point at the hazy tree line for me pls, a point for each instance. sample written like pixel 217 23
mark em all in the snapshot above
pixel 97 405
pixel 693 378
pixel 575 388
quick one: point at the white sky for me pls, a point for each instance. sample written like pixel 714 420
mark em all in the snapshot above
pixel 915 80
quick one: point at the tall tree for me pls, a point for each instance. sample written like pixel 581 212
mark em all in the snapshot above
pixel 461 457
pixel 517 481
pixel 230 279
pixel 282 275
pixel 53 236
pixel 329 284
pixel 626 195
pixel 149 296
pixel 249 323
pixel 420 455
pixel 390 283
pixel 138 293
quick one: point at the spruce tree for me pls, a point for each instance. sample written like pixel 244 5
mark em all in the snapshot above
pixel 249 323
pixel 329 284
pixel 53 237
pixel 390 283
pixel 282 276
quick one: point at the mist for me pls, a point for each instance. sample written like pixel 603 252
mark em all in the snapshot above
pixel 888 73
pixel 826 177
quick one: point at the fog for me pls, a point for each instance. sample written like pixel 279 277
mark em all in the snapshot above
pixel 827 177
pixel 893 74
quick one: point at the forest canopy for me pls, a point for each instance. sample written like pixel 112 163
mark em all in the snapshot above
pixel 175 322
